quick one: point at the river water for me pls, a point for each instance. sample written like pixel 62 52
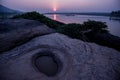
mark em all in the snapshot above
pixel 113 25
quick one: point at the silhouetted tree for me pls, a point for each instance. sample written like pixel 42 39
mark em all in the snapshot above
pixel 115 13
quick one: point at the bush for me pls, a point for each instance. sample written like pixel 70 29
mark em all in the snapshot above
pixel 78 30
pixel 95 25
pixel 39 17
pixel 72 30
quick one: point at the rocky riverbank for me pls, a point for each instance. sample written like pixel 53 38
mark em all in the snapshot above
pixel 32 51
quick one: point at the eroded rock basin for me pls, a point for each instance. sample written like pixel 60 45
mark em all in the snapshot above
pixel 46 63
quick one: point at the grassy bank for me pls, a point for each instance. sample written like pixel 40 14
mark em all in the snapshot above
pixel 41 18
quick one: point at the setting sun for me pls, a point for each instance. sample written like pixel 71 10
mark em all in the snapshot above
pixel 55 6
pixel 54 9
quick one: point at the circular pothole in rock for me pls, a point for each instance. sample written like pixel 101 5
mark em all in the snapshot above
pixel 47 63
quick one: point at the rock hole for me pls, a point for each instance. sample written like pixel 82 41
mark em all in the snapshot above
pixel 47 63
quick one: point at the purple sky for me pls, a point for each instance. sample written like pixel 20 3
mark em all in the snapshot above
pixel 63 5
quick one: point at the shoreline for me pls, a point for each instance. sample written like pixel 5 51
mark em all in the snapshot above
pixel 106 39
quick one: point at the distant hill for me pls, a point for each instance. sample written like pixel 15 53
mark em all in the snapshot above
pixel 5 10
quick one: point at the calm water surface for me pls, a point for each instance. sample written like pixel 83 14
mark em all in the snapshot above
pixel 113 25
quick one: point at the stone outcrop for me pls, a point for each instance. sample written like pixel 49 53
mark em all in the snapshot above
pixel 14 32
pixel 55 56
pixel 76 60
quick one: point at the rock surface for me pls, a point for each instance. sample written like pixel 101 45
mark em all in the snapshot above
pixel 14 32
pixel 78 60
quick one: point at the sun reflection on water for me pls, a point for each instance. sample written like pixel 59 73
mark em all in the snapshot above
pixel 55 17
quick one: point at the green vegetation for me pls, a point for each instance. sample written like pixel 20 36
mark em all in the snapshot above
pixel 39 17
pixel 72 30
pixel 77 30
pixel 95 26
